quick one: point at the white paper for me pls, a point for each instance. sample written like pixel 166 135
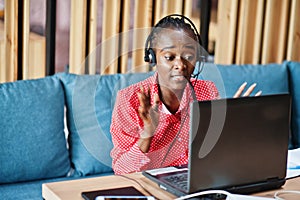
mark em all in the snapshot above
pixel 155 172
pixel 293 163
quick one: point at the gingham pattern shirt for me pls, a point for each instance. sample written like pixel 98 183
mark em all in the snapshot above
pixel 169 145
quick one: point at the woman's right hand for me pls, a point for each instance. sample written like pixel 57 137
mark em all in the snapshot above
pixel 148 113
pixel 150 116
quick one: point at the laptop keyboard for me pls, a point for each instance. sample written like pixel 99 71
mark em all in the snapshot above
pixel 178 180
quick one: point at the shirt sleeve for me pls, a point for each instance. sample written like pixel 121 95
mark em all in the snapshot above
pixel 214 90
pixel 206 90
pixel 125 129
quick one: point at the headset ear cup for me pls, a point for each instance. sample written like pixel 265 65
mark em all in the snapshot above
pixel 146 56
pixel 152 57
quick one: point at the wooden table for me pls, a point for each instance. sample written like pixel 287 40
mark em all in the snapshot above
pixel 66 190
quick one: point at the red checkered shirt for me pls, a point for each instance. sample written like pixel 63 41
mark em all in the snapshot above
pixel 169 145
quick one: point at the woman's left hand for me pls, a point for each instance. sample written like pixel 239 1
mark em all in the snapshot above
pixel 248 91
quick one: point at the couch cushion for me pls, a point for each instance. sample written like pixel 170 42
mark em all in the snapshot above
pixel 294 72
pixel 90 101
pixel 32 139
pixel 270 78
pixel 32 190
pixel 25 190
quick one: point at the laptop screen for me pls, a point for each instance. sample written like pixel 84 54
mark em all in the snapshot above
pixel 238 142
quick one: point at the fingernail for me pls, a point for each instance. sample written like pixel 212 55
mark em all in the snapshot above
pixel 243 85
pixel 253 85
pixel 258 93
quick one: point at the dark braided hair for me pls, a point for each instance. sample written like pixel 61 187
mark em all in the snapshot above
pixel 175 23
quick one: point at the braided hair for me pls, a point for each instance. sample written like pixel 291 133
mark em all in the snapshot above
pixel 175 23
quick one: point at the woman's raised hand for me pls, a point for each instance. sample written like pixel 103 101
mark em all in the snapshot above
pixel 148 113
pixel 150 116
pixel 248 91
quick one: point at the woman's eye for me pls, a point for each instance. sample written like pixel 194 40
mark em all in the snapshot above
pixel 169 58
pixel 189 57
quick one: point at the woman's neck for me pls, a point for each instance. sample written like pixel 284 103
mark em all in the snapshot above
pixel 171 98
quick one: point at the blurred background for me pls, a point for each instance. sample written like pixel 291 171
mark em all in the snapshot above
pixel 43 37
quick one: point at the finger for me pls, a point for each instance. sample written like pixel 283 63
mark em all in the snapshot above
pixel 240 90
pixel 144 97
pixel 142 89
pixel 249 90
pixel 156 99
pixel 141 94
pixel 156 102
pixel 258 93
pixel 148 92
pixel 141 98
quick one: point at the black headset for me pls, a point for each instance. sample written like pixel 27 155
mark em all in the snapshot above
pixel 149 52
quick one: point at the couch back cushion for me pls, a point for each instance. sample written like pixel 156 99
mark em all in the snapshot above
pixel 90 100
pixel 294 73
pixel 32 139
pixel 270 78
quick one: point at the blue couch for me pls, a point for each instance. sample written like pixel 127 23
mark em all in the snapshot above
pixel 36 146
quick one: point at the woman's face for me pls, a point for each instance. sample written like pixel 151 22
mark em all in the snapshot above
pixel 176 55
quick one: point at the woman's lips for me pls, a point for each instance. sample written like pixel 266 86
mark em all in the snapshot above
pixel 178 78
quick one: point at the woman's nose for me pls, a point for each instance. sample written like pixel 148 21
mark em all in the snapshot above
pixel 179 62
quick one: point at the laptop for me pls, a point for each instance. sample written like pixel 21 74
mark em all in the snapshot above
pixel 239 145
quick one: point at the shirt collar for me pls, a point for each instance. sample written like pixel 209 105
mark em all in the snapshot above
pixel 187 97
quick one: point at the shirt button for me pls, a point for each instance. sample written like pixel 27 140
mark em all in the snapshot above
pixel 143 161
pixel 179 139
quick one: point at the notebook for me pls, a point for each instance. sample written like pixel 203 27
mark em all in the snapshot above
pixel 239 145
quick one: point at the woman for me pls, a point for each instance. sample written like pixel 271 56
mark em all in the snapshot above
pixel 150 122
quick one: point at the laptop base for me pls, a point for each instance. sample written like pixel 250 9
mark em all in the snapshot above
pixel 244 189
